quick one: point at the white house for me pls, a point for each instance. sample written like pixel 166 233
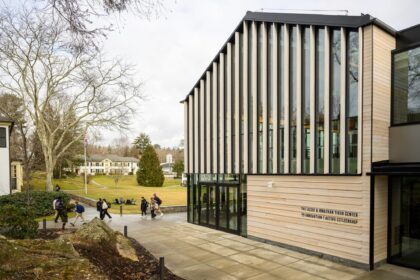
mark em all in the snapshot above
pixel 6 126
pixel 109 164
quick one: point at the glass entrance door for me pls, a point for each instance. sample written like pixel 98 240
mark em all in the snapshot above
pixel 404 242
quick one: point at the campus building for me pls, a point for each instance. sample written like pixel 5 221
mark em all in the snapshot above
pixel 6 127
pixel 304 132
pixel 108 164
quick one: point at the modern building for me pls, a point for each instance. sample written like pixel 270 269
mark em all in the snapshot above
pixel 6 127
pixel 109 164
pixel 304 132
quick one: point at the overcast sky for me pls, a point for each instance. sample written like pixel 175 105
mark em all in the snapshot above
pixel 172 52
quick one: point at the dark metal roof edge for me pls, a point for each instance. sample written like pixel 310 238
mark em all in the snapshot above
pixel 408 28
pixel 366 19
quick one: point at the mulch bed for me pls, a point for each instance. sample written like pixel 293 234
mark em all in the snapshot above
pixel 108 260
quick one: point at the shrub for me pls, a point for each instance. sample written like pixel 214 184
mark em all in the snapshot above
pixel 150 173
pixel 17 222
pixel 40 203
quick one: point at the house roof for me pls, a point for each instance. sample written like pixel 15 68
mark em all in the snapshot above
pixel 7 120
pixel 303 19
pixel 112 158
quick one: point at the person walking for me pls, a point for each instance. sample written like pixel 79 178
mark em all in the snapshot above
pixel 105 207
pixel 99 207
pixel 79 213
pixel 143 206
pixel 152 207
pixel 158 204
pixel 55 210
pixel 62 211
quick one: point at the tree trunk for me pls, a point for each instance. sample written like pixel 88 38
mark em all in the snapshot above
pixel 49 182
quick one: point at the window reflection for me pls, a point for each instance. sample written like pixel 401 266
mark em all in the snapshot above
pixel 292 102
pixel 319 114
pixel 335 61
pixel 306 127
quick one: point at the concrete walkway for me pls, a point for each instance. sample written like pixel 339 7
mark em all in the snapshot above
pixel 195 252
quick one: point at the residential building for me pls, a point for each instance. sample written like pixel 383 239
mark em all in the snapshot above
pixel 16 176
pixel 109 164
pixel 6 127
pixel 303 132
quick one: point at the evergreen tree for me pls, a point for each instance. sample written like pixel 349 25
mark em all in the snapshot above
pixel 150 173
pixel 178 167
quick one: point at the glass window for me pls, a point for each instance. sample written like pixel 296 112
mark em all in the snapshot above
pixel 292 99
pixel 335 61
pixel 319 100
pixel 260 118
pixel 226 118
pixel 352 76
pixel 250 100
pixel 270 99
pixel 232 103
pixel 241 102
pixel 306 117
pixel 280 99
pixel 406 87
pixel 3 135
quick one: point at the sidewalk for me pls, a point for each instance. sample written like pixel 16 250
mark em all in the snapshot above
pixel 195 252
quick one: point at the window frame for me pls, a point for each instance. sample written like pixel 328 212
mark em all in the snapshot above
pixel 5 137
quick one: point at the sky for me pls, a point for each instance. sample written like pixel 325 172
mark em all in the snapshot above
pixel 172 52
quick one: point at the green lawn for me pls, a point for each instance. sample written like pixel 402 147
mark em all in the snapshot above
pixel 171 193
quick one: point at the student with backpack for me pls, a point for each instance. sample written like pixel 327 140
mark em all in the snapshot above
pixel 55 210
pixel 62 211
pixel 143 206
pixel 99 207
pixel 79 213
pixel 158 204
pixel 105 207
pixel 153 206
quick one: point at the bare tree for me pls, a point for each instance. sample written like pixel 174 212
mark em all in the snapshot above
pixel 53 78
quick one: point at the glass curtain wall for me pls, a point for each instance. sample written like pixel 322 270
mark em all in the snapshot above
pixel 270 98
pixel 260 117
pixel 319 99
pixel 406 87
pixel 352 76
pixel 335 61
pixel 306 105
pixel 280 99
pixel 292 99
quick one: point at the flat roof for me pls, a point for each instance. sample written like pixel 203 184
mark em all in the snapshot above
pixel 303 19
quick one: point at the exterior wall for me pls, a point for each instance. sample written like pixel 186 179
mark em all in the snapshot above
pixel 108 167
pixel 5 163
pixel 381 219
pixel 276 213
pixel 17 165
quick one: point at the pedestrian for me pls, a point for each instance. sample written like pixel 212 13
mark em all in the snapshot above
pixel 62 211
pixel 152 207
pixel 57 188
pixel 79 213
pixel 99 207
pixel 55 210
pixel 158 204
pixel 105 207
pixel 143 206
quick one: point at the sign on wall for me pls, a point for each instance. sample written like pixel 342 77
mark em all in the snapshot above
pixel 331 215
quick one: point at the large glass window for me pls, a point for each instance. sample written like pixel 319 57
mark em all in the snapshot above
pixel 335 61
pixel 352 100
pixel 241 103
pixel 260 118
pixel 306 105
pixel 406 87
pixel 292 99
pixel 319 100
pixel 232 103
pixel 280 99
pixel 250 101
pixel 270 99
pixel 3 136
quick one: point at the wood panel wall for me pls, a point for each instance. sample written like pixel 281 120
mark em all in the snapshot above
pixel 381 218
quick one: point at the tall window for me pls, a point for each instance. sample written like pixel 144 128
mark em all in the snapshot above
pixel 3 135
pixel 306 105
pixel 270 98
pixel 250 99
pixel 352 76
pixel 280 99
pixel 335 61
pixel 319 114
pixel 232 106
pixel 226 118
pixel 293 95
pixel 406 89
pixel 241 102
pixel 260 118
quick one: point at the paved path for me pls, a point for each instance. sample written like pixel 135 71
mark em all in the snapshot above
pixel 198 253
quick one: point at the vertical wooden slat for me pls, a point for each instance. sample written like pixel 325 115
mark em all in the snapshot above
pixel 254 94
pixel 229 108
pixel 215 114
pixel 190 134
pixel 264 97
pixel 245 90
pixel 237 118
pixel 186 137
pixel 360 103
pixel 299 100
pixel 202 127
pixel 286 99
pixel 196 150
pixel 312 99
pixel 208 123
pixel 221 115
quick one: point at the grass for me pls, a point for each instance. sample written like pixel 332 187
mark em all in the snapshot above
pixel 171 193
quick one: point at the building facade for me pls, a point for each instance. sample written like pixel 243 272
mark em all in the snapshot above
pixel 109 164
pixel 293 136
pixel 6 127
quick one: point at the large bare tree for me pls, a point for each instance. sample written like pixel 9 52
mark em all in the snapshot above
pixel 57 79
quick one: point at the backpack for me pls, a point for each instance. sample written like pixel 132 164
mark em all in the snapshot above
pixel 58 204
pixel 81 208
pixel 158 200
pixel 109 204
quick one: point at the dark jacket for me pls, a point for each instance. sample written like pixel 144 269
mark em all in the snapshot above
pixel 144 204
pixel 99 206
